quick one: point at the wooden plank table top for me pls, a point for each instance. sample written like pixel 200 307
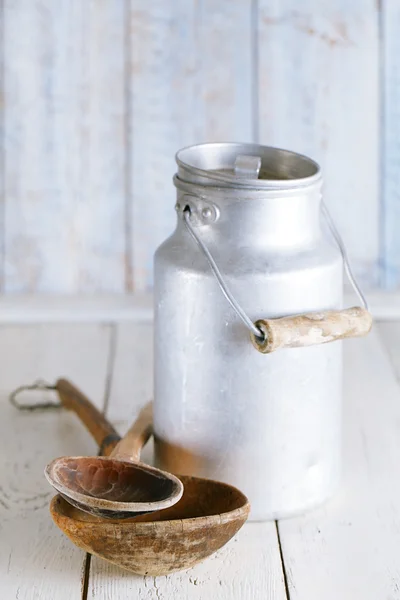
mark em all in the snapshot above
pixel 348 550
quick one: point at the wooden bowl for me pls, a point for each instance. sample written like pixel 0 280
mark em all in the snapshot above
pixel 205 519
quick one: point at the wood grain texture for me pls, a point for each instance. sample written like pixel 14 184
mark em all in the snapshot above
pixel 311 329
pixel 64 173
pixel 99 95
pixel 73 399
pixel 206 518
pixel 390 206
pixel 2 155
pixel 41 351
pixel 247 568
pixel 319 95
pixel 190 77
pixel 36 561
pixel 348 549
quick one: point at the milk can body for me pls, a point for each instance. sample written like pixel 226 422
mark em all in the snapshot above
pixel 268 424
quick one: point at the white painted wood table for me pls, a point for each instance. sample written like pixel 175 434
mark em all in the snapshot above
pixel 349 549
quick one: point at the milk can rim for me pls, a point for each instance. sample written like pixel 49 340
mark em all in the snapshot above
pixel 251 184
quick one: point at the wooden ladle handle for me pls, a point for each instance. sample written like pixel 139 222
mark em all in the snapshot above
pixel 95 422
pixel 133 441
pixel 312 328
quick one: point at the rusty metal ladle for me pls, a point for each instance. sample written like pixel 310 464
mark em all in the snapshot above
pixel 117 486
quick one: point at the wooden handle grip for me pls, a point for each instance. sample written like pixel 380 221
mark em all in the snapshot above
pixel 95 422
pixel 137 436
pixel 312 328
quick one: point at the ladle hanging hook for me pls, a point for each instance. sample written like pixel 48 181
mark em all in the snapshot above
pixel 38 385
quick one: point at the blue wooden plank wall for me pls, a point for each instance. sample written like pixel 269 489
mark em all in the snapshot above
pixel 97 96
pixel 390 145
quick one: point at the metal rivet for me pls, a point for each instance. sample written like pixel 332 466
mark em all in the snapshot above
pixel 206 213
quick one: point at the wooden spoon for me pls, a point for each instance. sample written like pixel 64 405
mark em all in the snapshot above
pixel 206 517
pixel 118 486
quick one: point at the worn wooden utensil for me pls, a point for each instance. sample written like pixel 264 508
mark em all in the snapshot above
pixel 206 517
pixel 117 486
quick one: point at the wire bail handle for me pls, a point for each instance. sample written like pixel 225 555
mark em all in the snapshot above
pixel 268 335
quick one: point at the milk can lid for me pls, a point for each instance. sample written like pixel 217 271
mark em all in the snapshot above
pixel 249 166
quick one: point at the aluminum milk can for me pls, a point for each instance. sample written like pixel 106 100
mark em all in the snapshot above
pixel 268 422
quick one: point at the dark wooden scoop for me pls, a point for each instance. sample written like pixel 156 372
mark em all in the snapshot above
pixel 206 517
pixel 118 486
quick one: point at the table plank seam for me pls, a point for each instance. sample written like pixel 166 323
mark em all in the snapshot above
pixel 112 350
pixel 283 566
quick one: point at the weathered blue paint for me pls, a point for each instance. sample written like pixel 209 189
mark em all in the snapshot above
pixel 319 95
pixel 191 81
pixel 390 164
pixel 98 96
pixel 64 163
